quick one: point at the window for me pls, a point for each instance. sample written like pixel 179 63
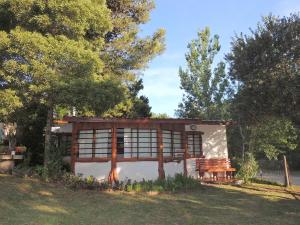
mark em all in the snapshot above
pixel 171 143
pixel 130 143
pixel 140 143
pixel 102 144
pixel 195 144
pixel 85 143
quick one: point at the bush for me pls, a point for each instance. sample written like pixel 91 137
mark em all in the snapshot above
pixel 170 184
pixel 263 181
pixel 248 168
pixel 42 172
pixel 78 182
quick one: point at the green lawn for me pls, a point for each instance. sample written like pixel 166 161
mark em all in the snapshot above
pixel 28 201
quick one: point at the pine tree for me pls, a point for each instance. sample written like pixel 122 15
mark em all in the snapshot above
pixel 76 53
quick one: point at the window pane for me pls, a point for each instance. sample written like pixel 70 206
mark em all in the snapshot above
pixel 177 147
pixel 85 143
pixel 103 143
pixel 167 142
pixel 194 144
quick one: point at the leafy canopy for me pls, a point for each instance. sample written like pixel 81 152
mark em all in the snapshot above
pixel 266 64
pixel 205 86
pixel 272 137
pixel 49 52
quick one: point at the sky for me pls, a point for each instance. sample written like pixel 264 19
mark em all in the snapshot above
pixel 182 19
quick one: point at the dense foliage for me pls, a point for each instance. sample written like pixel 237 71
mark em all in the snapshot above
pixel 248 168
pixel 206 87
pixel 272 137
pixel 82 54
pixel 266 64
pixel 170 184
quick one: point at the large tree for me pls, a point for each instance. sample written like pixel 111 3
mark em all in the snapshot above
pixel 66 53
pixel 206 86
pixel 127 53
pixel 266 65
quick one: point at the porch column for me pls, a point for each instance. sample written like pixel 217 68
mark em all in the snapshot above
pixel 185 153
pixel 74 147
pixel 161 172
pixel 113 176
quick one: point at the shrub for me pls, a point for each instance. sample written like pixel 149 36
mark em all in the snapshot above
pixel 248 169
pixel 170 184
pixel 42 172
pixel 78 182
pixel 263 181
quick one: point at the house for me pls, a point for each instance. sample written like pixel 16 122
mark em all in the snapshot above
pixel 137 149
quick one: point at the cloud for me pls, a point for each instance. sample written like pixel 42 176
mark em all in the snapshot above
pixel 161 82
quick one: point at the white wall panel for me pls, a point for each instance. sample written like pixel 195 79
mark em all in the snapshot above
pixel 171 168
pixel 100 170
pixel 138 171
pixel 214 141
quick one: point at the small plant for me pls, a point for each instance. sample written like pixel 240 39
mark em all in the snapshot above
pixel 248 168
pixel 78 182
pixel 42 172
pixel 90 182
pixel 170 184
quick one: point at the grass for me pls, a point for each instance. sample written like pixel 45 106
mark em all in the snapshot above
pixel 29 201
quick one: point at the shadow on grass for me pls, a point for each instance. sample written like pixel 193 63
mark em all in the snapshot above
pixel 25 201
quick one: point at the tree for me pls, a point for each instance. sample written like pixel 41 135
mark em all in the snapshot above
pixel 127 54
pixel 78 53
pixel 206 88
pixel 9 103
pixel 160 116
pixel 133 106
pixel 140 106
pixel 266 63
pixel 272 137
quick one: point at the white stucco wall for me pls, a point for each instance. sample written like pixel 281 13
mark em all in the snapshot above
pixel 138 171
pixel 191 168
pixel 171 168
pixel 100 170
pixel 214 141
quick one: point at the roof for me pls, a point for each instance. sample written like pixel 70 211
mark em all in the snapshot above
pixel 73 119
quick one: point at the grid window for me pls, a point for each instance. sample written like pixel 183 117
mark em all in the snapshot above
pixel 85 143
pixel 103 143
pixel 99 140
pixel 172 143
pixel 194 144
pixel 140 143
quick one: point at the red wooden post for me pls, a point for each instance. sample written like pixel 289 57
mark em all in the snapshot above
pixel 161 172
pixel 74 148
pixel 113 177
pixel 185 148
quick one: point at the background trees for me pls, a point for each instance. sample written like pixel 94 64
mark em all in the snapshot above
pixel 264 100
pixel 265 64
pixel 81 54
pixel 206 87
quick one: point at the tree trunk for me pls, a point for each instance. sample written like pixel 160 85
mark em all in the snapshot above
pixel 48 136
pixel 243 140
pixel 287 181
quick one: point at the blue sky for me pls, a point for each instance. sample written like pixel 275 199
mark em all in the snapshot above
pixel 182 19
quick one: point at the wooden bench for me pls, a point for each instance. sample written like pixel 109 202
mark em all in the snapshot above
pixel 214 167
